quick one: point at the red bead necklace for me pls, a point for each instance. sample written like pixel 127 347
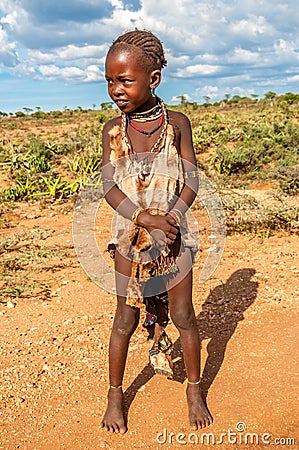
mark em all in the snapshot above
pixel 147 133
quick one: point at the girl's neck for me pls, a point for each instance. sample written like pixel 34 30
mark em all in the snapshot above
pixel 148 115
pixel 147 107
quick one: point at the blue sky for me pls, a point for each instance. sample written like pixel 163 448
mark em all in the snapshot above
pixel 52 53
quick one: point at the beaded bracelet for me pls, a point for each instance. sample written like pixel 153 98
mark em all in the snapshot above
pixel 194 382
pixel 115 387
pixel 177 217
pixel 191 174
pixel 179 212
pixel 135 215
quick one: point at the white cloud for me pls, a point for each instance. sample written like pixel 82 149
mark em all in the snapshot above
pixel 242 56
pixel 68 53
pixel 252 28
pixel 197 70
pixel 93 74
pixel 52 72
pixel 71 74
pixel 8 54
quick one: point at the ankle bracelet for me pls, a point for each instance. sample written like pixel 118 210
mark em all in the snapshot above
pixel 194 382
pixel 115 387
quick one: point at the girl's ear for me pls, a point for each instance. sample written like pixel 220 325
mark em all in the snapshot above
pixel 155 78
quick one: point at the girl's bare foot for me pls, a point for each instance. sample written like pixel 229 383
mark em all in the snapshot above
pixel 113 419
pixel 199 415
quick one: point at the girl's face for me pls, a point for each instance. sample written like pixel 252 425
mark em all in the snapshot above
pixel 129 85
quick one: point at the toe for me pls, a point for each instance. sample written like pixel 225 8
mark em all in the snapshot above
pixel 115 428
pixel 122 430
pixel 193 424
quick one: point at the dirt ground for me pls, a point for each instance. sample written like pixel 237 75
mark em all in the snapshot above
pixel 53 353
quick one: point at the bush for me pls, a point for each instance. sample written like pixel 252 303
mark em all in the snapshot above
pixel 288 178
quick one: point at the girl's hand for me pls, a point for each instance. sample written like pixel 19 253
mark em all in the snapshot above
pixel 162 228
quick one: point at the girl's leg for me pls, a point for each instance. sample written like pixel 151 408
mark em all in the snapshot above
pixel 183 317
pixel 125 322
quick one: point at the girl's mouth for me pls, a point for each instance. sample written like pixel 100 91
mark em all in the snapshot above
pixel 121 103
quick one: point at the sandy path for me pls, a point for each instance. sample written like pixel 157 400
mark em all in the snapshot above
pixel 53 357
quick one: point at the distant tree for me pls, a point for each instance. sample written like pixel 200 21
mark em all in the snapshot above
pixel 207 98
pixel 20 114
pixel 182 98
pixel 227 97
pixel 27 110
pixel 94 105
pixel 106 106
pixel 236 98
pixel 254 96
pixel 290 98
pixel 270 95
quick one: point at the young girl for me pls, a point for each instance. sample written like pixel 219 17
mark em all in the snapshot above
pixel 146 151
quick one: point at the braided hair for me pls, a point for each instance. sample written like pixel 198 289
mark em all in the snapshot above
pixel 152 56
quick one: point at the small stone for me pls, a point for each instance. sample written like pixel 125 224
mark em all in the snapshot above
pixel 103 443
pixel 10 304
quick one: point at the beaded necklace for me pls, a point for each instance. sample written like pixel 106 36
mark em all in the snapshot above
pixel 142 168
pixel 125 137
pixel 147 133
pixel 146 116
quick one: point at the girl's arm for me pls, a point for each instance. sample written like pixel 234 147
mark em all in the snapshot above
pixel 187 154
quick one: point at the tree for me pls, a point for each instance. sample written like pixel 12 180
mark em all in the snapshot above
pixel 106 106
pixel 20 114
pixel 27 110
pixel 183 99
pixel 270 95
pixel 290 98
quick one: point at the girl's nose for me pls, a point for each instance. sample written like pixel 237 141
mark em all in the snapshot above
pixel 117 89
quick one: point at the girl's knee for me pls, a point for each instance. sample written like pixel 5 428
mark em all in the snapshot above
pixel 183 318
pixel 126 321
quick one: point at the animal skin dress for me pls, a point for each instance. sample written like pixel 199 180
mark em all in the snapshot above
pixel 152 181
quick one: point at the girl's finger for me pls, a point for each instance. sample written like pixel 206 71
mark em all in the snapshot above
pixel 173 230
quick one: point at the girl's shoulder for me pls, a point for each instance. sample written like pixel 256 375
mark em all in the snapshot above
pixel 178 119
pixel 111 123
